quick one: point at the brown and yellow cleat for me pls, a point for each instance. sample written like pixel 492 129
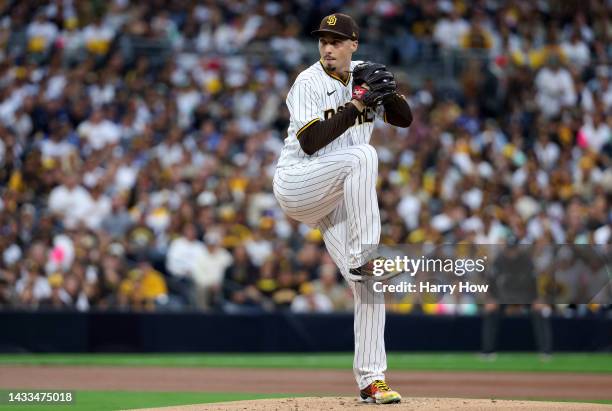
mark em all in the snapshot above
pixel 380 393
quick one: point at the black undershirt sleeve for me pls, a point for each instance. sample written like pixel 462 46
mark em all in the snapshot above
pixel 320 133
pixel 397 111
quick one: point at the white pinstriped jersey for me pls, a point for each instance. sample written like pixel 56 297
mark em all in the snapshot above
pixel 334 190
pixel 316 95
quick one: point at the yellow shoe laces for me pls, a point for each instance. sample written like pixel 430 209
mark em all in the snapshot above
pixel 381 385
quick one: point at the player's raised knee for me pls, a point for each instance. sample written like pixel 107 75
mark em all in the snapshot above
pixel 365 154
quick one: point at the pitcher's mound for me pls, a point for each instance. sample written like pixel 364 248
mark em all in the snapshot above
pixel 352 403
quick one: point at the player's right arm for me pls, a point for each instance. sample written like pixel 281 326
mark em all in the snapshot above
pixel 307 112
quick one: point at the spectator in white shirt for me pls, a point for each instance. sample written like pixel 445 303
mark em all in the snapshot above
pixel 287 46
pixel 409 208
pixel 56 146
pixel 577 51
pixel 70 201
pixel 555 88
pixel 259 248
pixel 595 133
pixel 101 206
pixel 547 152
pixel 184 252
pixel 102 92
pixel 310 301
pixel 210 268
pixel 41 34
pixel 32 287
pixel 171 150
pixel 184 256
pixel 98 131
pixel 449 31
pixel 98 37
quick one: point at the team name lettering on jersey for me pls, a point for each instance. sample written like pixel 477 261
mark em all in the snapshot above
pixel 366 116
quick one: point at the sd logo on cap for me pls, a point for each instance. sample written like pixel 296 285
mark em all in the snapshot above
pixel 340 25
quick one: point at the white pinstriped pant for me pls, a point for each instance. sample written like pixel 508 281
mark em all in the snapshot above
pixel 336 192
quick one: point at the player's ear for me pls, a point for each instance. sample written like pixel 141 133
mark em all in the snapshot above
pixel 354 45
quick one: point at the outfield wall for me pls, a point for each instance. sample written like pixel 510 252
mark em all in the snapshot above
pixel 279 332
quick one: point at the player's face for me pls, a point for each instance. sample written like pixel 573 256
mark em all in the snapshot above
pixel 336 53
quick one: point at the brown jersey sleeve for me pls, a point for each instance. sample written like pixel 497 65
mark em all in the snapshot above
pixel 317 134
pixel 397 111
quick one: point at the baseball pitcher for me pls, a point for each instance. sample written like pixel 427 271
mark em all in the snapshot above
pixel 326 177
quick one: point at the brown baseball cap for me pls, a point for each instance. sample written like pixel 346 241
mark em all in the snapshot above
pixel 339 24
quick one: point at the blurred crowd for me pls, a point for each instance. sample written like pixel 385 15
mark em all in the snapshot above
pixel 138 141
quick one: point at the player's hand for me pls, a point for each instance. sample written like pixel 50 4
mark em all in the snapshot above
pixel 379 80
pixel 358 102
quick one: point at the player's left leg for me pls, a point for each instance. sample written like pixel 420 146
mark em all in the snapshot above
pixel 370 361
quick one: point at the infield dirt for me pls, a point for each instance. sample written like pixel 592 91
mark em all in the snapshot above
pixel 446 389
pixel 351 403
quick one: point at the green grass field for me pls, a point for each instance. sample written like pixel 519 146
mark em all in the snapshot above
pixel 566 362
pixel 112 400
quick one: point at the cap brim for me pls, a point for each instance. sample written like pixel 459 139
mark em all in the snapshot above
pixel 322 32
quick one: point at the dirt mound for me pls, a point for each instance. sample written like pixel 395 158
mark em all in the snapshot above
pixel 351 403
